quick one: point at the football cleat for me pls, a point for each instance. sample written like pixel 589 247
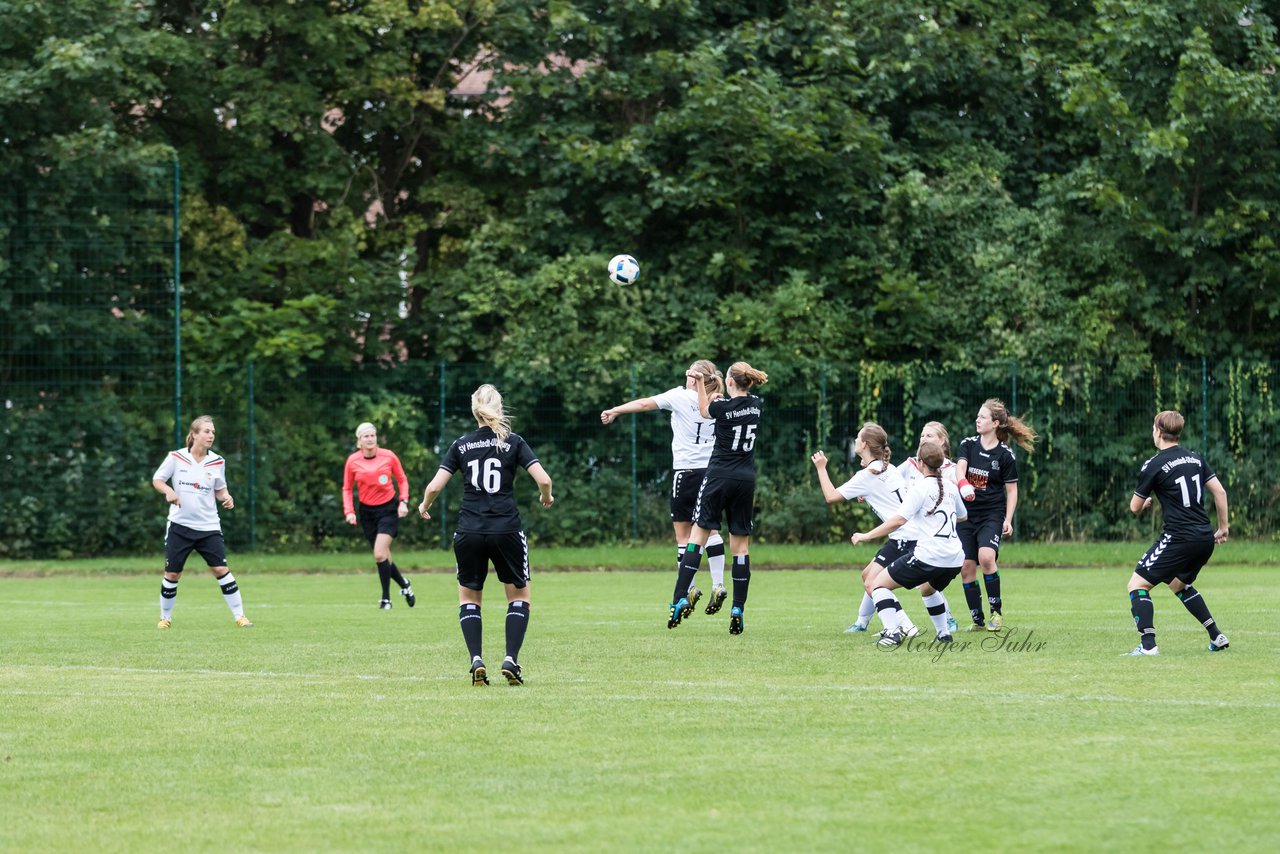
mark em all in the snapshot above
pixel 856 627
pixel 952 625
pixel 384 605
pixel 479 675
pixel 1218 644
pixel 943 637
pixel 163 624
pixel 718 595
pixel 1138 650
pixel 244 622
pixel 977 627
pixel 891 638
pixel 679 610
pixel 409 598
pixel 736 622
pixel 911 631
pixel 996 623
pixel 511 670
pixel 693 596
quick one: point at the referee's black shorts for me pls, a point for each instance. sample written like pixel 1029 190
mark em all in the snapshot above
pixel 380 519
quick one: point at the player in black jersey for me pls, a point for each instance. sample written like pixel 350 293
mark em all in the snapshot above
pixel 729 486
pixel 987 475
pixel 1179 478
pixel 489 528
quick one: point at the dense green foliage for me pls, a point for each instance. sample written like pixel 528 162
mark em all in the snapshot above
pixel 372 190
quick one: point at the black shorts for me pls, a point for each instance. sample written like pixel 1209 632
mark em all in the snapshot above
pixel 1168 559
pixel 977 534
pixel 180 541
pixel 380 519
pixel 684 493
pixel 721 496
pixel 508 552
pixel 894 549
pixel 911 573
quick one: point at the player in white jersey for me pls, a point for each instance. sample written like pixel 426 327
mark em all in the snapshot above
pixel 193 480
pixel 879 484
pixel 934 507
pixel 692 439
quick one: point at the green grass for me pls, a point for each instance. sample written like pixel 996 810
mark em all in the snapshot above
pixel 332 726
pixel 630 556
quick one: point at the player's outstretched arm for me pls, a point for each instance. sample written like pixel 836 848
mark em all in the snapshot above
pixel 829 491
pixel 640 404
pixel 1219 494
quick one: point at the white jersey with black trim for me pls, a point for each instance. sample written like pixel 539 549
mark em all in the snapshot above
pixel 937 543
pixel 883 491
pixel 692 436
pixel 196 484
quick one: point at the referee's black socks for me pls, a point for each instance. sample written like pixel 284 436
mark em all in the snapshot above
pixel 384 575
pixel 469 620
pixel 1194 602
pixel 1144 617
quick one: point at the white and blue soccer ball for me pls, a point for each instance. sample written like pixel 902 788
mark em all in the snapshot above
pixel 624 270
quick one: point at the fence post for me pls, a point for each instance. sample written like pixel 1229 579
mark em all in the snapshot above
pixel 253 471
pixel 1013 381
pixel 823 424
pixel 177 303
pixel 444 509
pixel 635 475
pixel 1204 406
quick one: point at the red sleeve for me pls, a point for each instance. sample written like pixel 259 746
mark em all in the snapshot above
pixel 348 478
pixel 398 471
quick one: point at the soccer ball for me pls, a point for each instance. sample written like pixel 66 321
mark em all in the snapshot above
pixel 624 270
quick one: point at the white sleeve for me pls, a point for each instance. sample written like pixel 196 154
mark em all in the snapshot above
pixel 166 469
pixel 855 487
pixel 668 399
pixel 949 471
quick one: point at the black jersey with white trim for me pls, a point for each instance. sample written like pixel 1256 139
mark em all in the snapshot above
pixel 737 420
pixel 488 467
pixel 1177 477
pixel 988 472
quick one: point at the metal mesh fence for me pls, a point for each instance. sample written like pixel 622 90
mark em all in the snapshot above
pixel 92 401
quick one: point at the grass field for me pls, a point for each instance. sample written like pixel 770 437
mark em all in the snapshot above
pixel 333 726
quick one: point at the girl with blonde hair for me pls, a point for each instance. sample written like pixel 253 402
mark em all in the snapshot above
pixel 692 438
pixel 377 477
pixel 489 529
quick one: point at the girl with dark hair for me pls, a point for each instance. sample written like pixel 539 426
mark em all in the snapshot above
pixel 1179 478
